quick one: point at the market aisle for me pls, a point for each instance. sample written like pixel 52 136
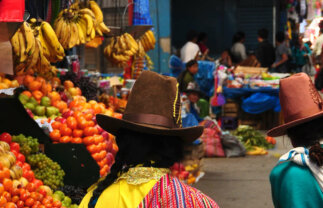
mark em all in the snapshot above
pixel 241 182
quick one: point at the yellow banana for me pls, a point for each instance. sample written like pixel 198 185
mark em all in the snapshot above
pixel 88 12
pixel 104 28
pixel 97 11
pixel 35 56
pixel 80 33
pixel 51 38
pixel 45 46
pixel 22 46
pixel 92 33
pixel 89 23
pixel 29 37
pixel 15 43
pixel 98 31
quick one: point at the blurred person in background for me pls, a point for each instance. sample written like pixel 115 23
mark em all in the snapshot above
pixel 238 49
pixel 187 75
pixel 281 54
pixel 300 53
pixel 317 49
pixel 191 51
pixel 202 40
pixel 265 51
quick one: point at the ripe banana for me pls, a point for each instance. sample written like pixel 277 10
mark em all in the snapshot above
pixel 97 11
pixel 29 37
pixel 22 46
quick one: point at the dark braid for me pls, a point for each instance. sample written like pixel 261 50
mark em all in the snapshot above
pixel 308 135
pixel 138 148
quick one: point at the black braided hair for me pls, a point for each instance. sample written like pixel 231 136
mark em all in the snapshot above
pixel 308 135
pixel 139 148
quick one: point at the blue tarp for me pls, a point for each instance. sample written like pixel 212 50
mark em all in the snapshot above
pixel 141 14
pixel 255 101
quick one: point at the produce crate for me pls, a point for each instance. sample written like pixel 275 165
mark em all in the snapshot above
pixel 231 107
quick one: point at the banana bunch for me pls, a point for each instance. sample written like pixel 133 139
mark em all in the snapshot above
pixel 34 48
pixel 121 49
pixel 257 151
pixel 148 40
pixel 79 24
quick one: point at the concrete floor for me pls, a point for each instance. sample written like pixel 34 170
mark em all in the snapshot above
pixel 241 182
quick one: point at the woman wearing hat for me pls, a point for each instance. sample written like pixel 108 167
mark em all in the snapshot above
pixel 150 141
pixel 297 179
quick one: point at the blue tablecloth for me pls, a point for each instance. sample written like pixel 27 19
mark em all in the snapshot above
pixel 255 101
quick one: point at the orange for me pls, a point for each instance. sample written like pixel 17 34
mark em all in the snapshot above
pixel 40 79
pixel 46 88
pixel 37 94
pixel 77 140
pixel 89 140
pixel 90 131
pixel 27 93
pixel 56 125
pixel 54 96
pixel 82 123
pixel 28 79
pixel 61 105
pixel 7 184
pixel 65 139
pixel 77 133
pixel 65 131
pixel 71 122
pixel 34 85
pixel 68 84
pixel 55 135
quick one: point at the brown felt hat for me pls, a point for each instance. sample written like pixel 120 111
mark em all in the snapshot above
pixel 300 102
pixel 153 107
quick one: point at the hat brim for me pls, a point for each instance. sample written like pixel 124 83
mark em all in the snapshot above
pixel 113 125
pixel 281 130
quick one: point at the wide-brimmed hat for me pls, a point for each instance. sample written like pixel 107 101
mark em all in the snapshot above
pixel 194 87
pixel 300 102
pixel 153 107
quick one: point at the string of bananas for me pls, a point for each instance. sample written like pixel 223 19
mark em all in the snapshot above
pixel 121 49
pixel 35 47
pixel 80 24
pixel 148 40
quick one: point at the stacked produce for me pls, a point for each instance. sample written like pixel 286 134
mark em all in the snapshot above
pixel 148 40
pixel 35 47
pixel 40 99
pixel 79 24
pixel 44 168
pixel 183 173
pixel 253 140
pixel 7 83
pixel 120 49
pixel 78 125
pixel 75 193
pixel 19 188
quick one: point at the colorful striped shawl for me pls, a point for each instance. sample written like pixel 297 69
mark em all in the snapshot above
pixel 170 192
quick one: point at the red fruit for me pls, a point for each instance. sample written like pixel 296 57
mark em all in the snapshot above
pixel 42 192
pixel 37 183
pixel 100 130
pixel 105 135
pixel 20 204
pixel 14 146
pixel 110 158
pixel 26 166
pixel 14 152
pixel 21 157
pixel 71 122
pixel 68 114
pixel 6 137
pixel 29 202
pixel 31 187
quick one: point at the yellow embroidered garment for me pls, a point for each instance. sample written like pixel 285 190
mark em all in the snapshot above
pixel 129 189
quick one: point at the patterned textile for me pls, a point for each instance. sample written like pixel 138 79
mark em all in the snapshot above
pixel 169 192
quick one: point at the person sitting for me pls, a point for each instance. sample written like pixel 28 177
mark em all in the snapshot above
pixel 265 52
pixel 297 179
pixel 187 75
pixel 151 139
pixel 238 50
pixel 198 106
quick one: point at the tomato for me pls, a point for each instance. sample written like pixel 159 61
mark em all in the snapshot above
pixel 71 122
pixel 37 182
pixel 14 147
pixel 88 140
pixel 15 199
pixel 102 154
pixel 6 137
pixel 3 201
pixel 98 139
pixel 31 187
pixel 90 131
pixel 77 133
pixel 96 156
pixel 29 175
pixel 88 116
pixel 24 195
pixel 65 131
pixel 92 148
pixel 26 166
pixel 55 135
pixel 1 189
pixel 20 204
pixel 7 184
pixel 42 192
pixel 77 140
pixel 6 172
pixel 15 192
pixel 10 205
pixel 90 123
pixel 82 123
pixel 7 195
pixel 29 202
pixel 21 157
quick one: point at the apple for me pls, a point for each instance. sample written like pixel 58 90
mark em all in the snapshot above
pixel 184 174
pixel 33 101
pixel 73 91
pixel 60 119
pixel 23 98
pixel 105 135
pixel 109 145
pixel 110 158
pixel 40 110
pixel 45 101
pixel 63 96
pixel 50 111
pixel 47 189
pixel 30 106
pixel 67 114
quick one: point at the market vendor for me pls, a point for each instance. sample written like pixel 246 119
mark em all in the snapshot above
pixel 297 179
pixel 198 106
pixel 187 75
pixel 150 140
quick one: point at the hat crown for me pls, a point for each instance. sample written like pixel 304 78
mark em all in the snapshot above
pixel 154 100
pixel 299 98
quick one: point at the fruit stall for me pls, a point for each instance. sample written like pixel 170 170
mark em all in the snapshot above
pixel 51 148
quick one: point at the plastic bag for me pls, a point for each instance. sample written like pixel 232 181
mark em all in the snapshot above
pixel 12 10
pixel 189 120
pixel 176 65
pixel 212 143
pixel 232 146
pixel 141 14
pixel 205 78
pixel 260 102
